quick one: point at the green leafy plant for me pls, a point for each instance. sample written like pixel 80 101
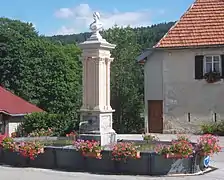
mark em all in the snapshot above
pixel 215 128
pixel 212 77
pixel 149 138
pixel 39 123
pixel 123 151
pixel 41 132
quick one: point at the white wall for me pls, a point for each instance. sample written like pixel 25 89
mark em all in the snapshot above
pixel 170 76
pixel 183 94
pixel 13 123
pixel 153 81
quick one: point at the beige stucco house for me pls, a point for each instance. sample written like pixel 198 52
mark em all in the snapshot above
pixel 184 71
pixel 12 111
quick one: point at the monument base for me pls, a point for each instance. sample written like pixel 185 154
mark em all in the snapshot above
pixel 103 138
pixel 96 125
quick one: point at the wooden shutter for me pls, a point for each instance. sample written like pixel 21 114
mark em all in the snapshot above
pixel 199 67
pixel 222 65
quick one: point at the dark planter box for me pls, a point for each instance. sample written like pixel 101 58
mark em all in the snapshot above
pixel 14 159
pixel 46 160
pixel 163 166
pixel 69 159
pixel 104 165
pixel 134 166
pixel 198 164
pixel 1 156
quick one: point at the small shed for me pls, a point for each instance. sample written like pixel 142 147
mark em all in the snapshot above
pixel 12 111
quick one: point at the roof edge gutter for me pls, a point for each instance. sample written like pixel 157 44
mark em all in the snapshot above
pixel 190 47
pixel 13 115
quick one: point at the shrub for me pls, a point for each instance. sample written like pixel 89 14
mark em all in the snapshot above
pixel 123 151
pixel 210 128
pixel 150 138
pixel 208 145
pixel 41 132
pixel 215 128
pixel 59 123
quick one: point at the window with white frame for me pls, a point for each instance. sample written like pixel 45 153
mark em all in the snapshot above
pixel 212 63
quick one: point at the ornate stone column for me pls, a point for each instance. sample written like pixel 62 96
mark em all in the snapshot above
pixel 96 112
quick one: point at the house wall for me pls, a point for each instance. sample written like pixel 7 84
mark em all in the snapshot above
pixel 182 94
pixel 13 123
pixel 153 84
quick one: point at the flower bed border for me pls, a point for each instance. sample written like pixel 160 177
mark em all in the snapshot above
pixel 71 160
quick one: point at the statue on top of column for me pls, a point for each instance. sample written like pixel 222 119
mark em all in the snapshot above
pixel 96 26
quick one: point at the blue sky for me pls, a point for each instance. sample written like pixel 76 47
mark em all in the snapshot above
pixel 73 16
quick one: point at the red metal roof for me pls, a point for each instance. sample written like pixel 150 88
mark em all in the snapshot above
pixel 14 105
pixel 201 25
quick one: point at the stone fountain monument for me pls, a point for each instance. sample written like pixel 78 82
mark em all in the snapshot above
pixel 96 112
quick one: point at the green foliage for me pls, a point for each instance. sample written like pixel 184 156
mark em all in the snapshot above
pixel 149 138
pixel 126 80
pixel 60 124
pixel 41 72
pixel 215 128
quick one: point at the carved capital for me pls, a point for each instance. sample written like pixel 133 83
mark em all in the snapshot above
pixel 109 60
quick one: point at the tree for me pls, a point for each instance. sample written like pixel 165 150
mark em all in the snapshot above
pixel 126 80
pixel 38 70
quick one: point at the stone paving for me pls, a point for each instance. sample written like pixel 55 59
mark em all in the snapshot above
pixel 10 173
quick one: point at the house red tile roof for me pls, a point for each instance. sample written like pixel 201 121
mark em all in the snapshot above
pixel 201 25
pixel 12 104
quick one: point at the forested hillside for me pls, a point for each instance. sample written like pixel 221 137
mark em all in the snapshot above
pixel 48 72
pixel 146 36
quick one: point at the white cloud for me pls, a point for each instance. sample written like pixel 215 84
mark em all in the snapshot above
pixel 66 30
pixel 64 13
pixel 80 17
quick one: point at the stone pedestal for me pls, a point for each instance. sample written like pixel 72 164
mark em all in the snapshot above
pixel 96 112
pixel 96 125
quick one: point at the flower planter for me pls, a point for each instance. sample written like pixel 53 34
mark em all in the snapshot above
pixel 199 162
pixel 104 165
pixel 140 166
pixel 45 160
pixel 14 159
pixel 69 159
pixel 202 154
pixel 174 156
pixel 92 154
pixel 1 155
pixel 161 165
pixel 138 154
